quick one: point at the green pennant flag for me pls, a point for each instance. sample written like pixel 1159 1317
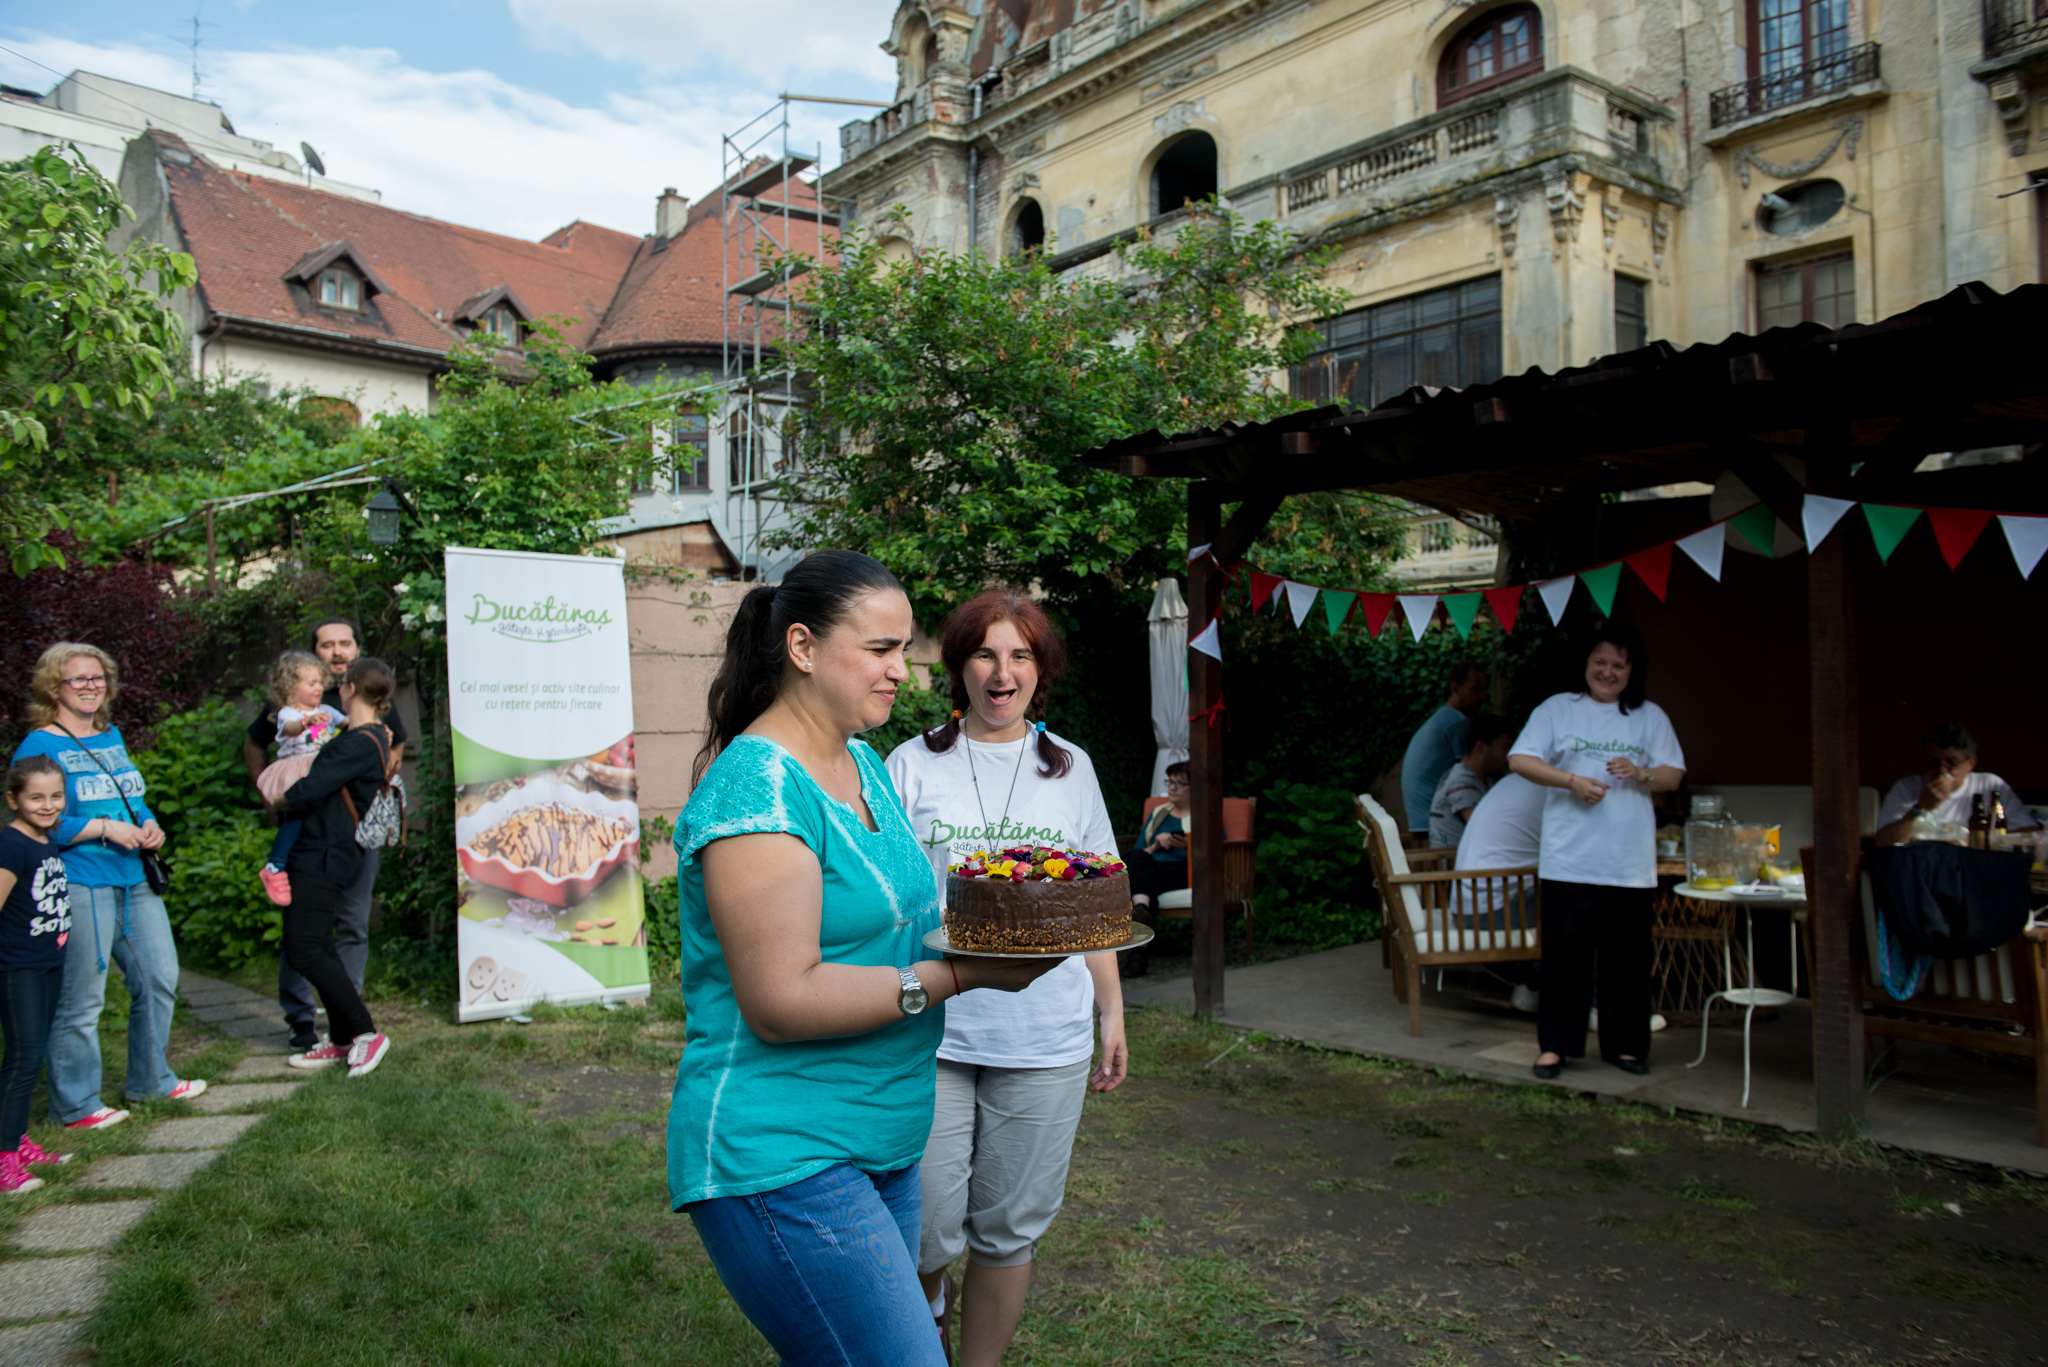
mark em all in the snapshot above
pixel 1462 607
pixel 1336 607
pixel 1602 583
pixel 1888 526
pixel 1759 527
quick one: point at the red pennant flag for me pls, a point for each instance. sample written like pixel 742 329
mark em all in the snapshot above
pixel 1505 604
pixel 1653 567
pixel 1375 606
pixel 1957 529
pixel 1263 586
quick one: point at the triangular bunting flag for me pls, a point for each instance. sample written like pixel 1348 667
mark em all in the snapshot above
pixel 1462 607
pixel 1956 530
pixel 1375 606
pixel 1653 567
pixel 1336 607
pixel 1888 526
pixel 1706 549
pixel 2028 537
pixel 1555 593
pixel 1197 552
pixel 1818 516
pixel 1505 604
pixel 1602 583
pixel 1300 598
pixel 1265 588
pixel 1418 608
pixel 1759 527
pixel 1209 640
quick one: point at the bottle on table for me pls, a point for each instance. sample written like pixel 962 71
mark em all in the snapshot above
pixel 1980 824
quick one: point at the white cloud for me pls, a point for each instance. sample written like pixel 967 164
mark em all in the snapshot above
pixel 465 146
pixel 794 37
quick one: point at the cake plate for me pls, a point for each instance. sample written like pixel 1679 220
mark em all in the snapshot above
pixel 1140 934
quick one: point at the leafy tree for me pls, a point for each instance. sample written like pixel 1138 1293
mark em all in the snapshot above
pixel 82 328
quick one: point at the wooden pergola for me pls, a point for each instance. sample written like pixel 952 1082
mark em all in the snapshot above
pixel 1859 407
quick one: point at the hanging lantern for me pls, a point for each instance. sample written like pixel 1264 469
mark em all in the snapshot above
pixel 384 512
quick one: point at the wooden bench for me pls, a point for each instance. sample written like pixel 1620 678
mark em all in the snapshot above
pixel 1439 917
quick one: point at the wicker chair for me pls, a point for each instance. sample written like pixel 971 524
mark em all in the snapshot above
pixel 1442 917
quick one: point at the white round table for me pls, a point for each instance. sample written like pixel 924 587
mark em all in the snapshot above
pixel 1752 996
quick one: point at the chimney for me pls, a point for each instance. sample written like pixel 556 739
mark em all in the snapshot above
pixel 671 212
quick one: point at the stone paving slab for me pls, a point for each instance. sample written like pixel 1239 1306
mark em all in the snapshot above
pixel 163 1171
pixel 248 1027
pixel 33 1288
pixel 77 1228
pixel 42 1345
pixel 200 1132
pixel 260 1066
pixel 278 1044
pixel 214 996
pixel 234 1096
pixel 232 1010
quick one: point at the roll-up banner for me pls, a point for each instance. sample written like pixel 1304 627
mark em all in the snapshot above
pixel 547 817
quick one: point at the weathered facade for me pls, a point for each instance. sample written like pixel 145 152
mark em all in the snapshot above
pixel 1508 185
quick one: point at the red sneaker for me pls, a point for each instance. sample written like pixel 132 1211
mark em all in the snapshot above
pixel 321 1055
pixel 32 1152
pixel 366 1052
pixel 98 1120
pixel 186 1090
pixel 14 1178
pixel 277 885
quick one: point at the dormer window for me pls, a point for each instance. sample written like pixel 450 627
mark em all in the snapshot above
pixel 500 325
pixel 338 288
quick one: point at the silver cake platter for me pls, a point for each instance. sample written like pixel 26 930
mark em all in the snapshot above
pixel 1140 934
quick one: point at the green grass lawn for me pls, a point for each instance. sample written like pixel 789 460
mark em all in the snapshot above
pixel 495 1194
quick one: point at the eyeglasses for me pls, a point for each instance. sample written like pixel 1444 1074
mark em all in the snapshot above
pixel 82 682
pixel 1176 783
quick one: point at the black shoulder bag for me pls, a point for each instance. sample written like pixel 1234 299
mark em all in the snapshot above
pixel 154 870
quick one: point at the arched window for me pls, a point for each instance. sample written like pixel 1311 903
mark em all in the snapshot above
pixel 1185 172
pixel 1499 48
pixel 1027 233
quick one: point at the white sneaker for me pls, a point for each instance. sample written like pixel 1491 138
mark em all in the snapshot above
pixel 1657 1023
pixel 1525 998
pixel 367 1052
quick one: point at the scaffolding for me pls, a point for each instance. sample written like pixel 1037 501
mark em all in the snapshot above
pixel 762 195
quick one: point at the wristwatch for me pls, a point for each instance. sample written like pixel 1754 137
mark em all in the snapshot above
pixel 913 998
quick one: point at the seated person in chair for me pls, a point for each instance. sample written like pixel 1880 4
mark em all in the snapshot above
pixel 1159 861
pixel 1438 743
pixel 1464 783
pixel 1502 832
pixel 1946 789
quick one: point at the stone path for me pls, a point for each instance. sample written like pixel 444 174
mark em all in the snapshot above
pixel 45 1297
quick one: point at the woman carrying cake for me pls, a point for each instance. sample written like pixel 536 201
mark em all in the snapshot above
pixel 1012 1070
pixel 804 1096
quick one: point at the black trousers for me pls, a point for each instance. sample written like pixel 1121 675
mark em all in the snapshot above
pixel 1595 936
pixel 309 949
pixel 1151 875
pixel 28 1003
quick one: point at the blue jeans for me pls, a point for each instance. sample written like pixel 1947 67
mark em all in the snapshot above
pixel 129 927
pixel 826 1268
pixel 28 998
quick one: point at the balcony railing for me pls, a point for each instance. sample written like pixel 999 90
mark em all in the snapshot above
pixel 2010 25
pixel 1789 85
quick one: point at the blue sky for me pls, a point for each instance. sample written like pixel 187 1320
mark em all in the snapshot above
pixel 513 115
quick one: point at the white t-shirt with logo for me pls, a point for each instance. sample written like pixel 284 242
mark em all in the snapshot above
pixel 1904 796
pixel 1505 831
pixel 1052 1022
pixel 1612 842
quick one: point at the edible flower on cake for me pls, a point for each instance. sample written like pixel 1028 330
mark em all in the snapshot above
pixel 1031 863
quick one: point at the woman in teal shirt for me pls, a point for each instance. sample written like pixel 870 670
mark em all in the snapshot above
pixel 804 1096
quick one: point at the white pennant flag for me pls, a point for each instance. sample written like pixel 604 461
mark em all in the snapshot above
pixel 1418 608
pixel 1197 552
pixel 1555 593
pixel 1706 547
pixel 1300 598
pixel 1209 640
pixel 1818 517
pixel 2028 537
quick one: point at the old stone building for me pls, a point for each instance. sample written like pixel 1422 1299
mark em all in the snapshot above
pixel 1508 184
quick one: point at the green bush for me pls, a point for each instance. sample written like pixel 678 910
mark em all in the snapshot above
pixel 1314 887
pixel 217 836
pixel 664 928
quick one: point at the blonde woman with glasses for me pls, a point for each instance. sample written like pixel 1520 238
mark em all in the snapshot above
pixel 115 914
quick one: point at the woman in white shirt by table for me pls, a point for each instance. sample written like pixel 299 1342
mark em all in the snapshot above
pixel 1602 751
pixel 1013 1072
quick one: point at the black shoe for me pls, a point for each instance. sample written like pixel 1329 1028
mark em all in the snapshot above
pixel 301 1043
pixel 1547 1071
pixel 1631 1065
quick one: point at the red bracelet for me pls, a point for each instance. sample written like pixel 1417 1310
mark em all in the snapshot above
pixel 956 977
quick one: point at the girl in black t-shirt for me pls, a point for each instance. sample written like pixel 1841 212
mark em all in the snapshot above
pixel 35 920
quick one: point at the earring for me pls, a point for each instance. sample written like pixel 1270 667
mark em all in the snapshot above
pixel 806 666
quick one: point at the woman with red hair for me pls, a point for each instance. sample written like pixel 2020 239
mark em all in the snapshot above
pixel 1012 1070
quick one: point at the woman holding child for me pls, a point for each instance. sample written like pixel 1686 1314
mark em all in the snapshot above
pixel 116 914
pixel 804 1096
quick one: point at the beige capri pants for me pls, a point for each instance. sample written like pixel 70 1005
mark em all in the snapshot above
pixel 995 1170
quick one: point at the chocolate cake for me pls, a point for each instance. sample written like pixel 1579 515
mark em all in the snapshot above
pixel 1038 901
